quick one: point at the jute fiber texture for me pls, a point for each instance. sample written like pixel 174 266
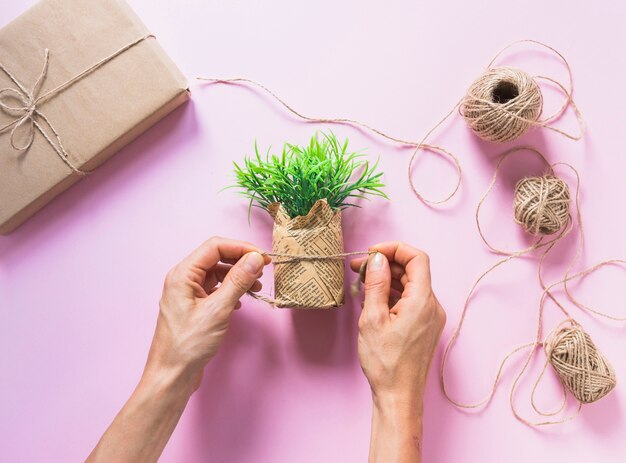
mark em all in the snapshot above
pixel 502 104
pixel 541 204
pixel 582 368
pixel 307 282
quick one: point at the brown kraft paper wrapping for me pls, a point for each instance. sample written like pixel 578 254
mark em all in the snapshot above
pixel 94 116
pixel 308 283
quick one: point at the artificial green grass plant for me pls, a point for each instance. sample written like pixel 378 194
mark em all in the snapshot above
pixel 301 175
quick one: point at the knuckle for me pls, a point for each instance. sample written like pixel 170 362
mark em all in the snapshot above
pixel 371 316
pixel 363 323
pixel 171 277
pixel 373 319
pixel 423 294
pixel 213 240
pixel 441 314
pixel 432 304
pixel 423 257
pixel 414 288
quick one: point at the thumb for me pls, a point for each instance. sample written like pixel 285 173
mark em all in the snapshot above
pixel 240 278
pixel 377 286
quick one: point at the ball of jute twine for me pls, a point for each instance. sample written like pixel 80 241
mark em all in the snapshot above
pixel 567 350
pixel 541 204
pixel 502 104
pixel 583 369
pixel 501 122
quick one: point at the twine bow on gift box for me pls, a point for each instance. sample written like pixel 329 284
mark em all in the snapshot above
pixel 23 105
pixel 28 116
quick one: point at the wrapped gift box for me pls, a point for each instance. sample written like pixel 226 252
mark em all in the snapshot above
pixel 79 79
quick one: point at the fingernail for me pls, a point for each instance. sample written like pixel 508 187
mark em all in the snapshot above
pixel 376 262
pixel 253 262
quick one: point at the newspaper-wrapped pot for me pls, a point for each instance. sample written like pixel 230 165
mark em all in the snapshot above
pixel 308 283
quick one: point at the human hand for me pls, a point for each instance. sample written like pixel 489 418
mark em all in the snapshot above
pixel 400 325
pixel 199 296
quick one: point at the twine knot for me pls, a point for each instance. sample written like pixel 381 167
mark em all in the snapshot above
pixel 580 366
pixel 541 204
pixel 502 104
pixel 22 104
pixel 287 258
pixel 27 116
pixel 24 112
pixel 24 117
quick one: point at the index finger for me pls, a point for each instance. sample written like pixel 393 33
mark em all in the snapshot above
pixel 217 249
pixel 395 251
pixel 415 262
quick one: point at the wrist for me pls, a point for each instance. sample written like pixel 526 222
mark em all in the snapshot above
pixel 398 406
pixel 176 382
pixel 396 428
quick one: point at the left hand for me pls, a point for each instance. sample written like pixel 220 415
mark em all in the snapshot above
pixel 199 297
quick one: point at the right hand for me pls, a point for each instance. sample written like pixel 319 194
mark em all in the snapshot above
pixel 398 336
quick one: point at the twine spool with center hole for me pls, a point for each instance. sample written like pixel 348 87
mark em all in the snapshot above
pixel 541 204
pixel 502 104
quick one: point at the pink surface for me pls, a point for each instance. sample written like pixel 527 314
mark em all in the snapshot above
pixel 79 283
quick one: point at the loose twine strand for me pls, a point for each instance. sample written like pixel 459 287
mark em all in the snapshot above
pixel 355 123
pixel 504 118
pixel 27 113
pixel 285 258
pixel 572 341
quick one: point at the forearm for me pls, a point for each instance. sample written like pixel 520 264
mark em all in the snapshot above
pixel 396 430
pixel 144 425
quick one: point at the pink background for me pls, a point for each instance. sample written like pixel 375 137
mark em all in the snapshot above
pixel 79 283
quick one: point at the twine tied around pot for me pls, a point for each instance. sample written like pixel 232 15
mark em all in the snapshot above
pixel 284 258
